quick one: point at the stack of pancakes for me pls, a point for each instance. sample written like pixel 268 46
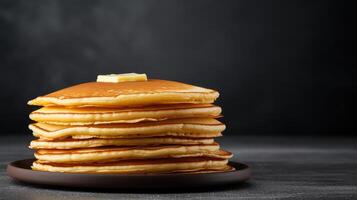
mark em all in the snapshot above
pixel 152 126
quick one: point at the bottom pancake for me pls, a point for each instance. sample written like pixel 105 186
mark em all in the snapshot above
pixel 125 153
pixel 105 154
pixel 170 165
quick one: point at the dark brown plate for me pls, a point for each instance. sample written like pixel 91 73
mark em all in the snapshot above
pixel 21 171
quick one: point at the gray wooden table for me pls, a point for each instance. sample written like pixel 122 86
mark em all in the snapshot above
pixel 294 168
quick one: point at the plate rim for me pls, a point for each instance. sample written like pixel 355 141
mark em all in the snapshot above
pixel 22 174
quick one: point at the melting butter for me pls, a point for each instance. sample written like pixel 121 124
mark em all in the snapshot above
pixel 118 78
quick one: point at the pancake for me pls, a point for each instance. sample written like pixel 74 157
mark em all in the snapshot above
pixel 105 154
pixel 135 93
pixel 135 126
pixel 92 115
pixel 187 135
pixel 194 127
pixel 170 165
pixel 86 143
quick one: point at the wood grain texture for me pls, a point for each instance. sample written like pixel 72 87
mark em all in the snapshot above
pixel 293 168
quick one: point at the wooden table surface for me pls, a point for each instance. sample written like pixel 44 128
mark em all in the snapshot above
pixel 283 167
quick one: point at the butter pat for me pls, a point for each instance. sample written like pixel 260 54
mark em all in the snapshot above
pixel 118 78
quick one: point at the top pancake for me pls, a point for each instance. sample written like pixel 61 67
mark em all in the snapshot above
pixel 127 94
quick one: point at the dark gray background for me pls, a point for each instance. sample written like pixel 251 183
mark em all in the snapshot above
pixel 282 67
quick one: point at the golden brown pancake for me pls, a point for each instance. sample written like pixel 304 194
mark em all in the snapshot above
pixel 98 142
pixel 136 93
pixel 153 126
pixel 190 127
pixel 168 165
pixel 104 154
pixel 93 115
